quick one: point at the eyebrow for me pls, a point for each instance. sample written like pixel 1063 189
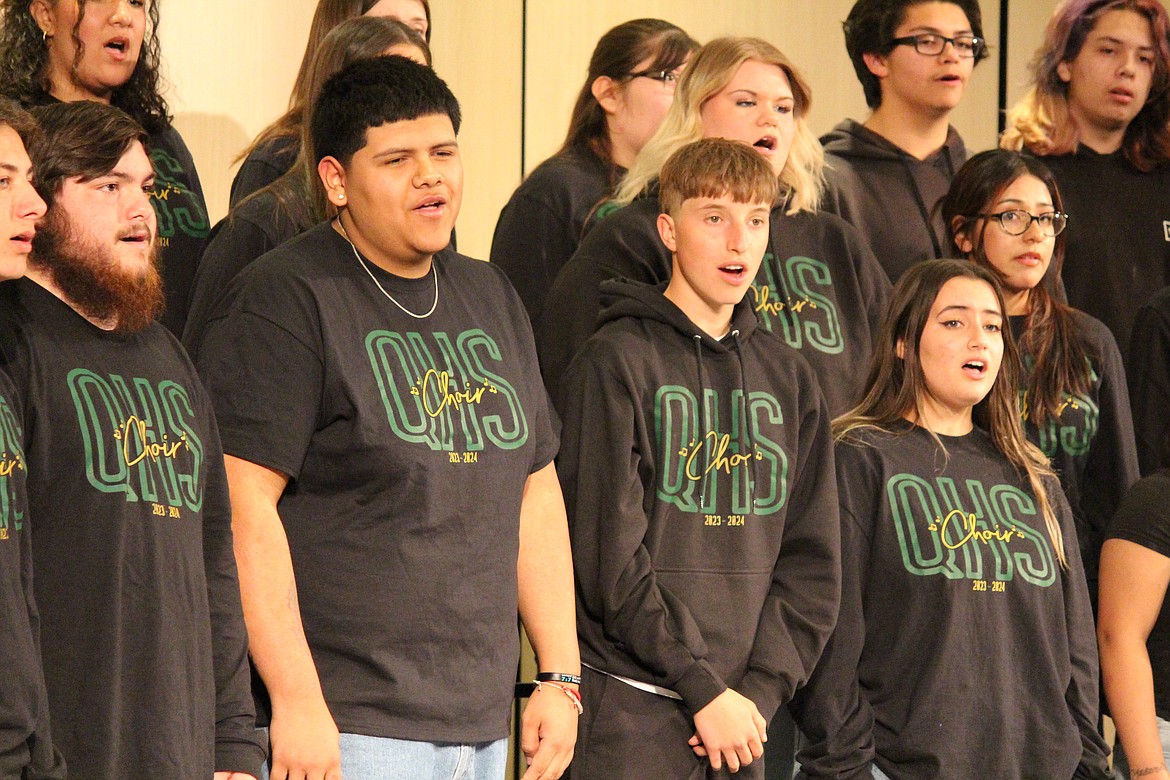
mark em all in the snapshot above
pixel 936 31
pixel 411 149
pixel 10 167
pixel 1119 42
pixel 1017 200
pixel 958 307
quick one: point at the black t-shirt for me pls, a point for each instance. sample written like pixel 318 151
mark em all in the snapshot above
pixel 1118 244
pixel 1144 518
pixel 142 631
pixel 544 221
pixel 24 709
pixel 407 442
pixel 963 649
pixel 1091 447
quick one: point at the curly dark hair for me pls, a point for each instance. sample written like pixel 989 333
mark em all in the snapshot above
pixel 24 65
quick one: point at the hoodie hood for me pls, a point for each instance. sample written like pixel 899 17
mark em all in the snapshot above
pixel 889 194
pixel 623 298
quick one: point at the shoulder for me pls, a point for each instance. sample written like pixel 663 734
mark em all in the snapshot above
pixel 1143 516
pixel 275 152
pixel 1096 336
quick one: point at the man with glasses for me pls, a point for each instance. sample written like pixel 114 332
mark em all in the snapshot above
pixel 913 60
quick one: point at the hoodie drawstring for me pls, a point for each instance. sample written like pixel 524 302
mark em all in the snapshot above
pixel 705 420
pixel 923 211
pixel 747 447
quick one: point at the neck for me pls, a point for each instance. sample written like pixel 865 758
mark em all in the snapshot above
pixel 65 89
pixel 407 268
pixel 937 418
pixel 1018 301
pixel 621 151
pixel 45 280
pixel 1102 140
pixel 714 320
pixel 917 134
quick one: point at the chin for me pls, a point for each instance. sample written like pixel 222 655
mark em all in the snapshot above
pixel 12 267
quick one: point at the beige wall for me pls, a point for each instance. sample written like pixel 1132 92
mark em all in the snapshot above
pixel 230 80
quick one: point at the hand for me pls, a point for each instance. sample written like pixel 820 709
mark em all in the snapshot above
pixel 234 776
pixel 305 743
pixel 731 730
pixel 548 733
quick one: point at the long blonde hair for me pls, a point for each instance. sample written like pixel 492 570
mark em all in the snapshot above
pixel 896 384
pixel 709 72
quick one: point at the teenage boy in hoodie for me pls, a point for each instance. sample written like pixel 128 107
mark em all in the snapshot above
pixel 913 59
pixel 697 469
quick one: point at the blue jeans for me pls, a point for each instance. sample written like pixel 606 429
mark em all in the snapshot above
pixel 380 758
pixel 1121 766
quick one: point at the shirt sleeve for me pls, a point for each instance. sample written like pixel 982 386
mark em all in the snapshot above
pixel 1149 385
pixel 606 502
pixel 532 243
pixel 265 379
pixel 237 748
pixel 801 607
pixel 831 710
pixel 1083 693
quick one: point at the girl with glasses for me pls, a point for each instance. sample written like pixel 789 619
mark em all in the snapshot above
pixel 1004 212
pixel 965 645
pixel 630 86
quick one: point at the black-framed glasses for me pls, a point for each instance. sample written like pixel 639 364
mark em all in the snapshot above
pixel 668 79
pixel 1015 222
pixel 932 44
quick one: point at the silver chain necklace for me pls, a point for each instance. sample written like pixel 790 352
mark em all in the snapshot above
pixel 366 268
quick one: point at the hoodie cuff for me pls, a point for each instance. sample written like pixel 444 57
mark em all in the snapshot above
pixel 766 691
pixel 699 686
pixel 239 756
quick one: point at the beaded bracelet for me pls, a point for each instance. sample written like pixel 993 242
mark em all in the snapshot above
pixel 559 677
pixel 574 695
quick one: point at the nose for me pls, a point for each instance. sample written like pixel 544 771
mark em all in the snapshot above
pixel 29 202
pixel 980 338
pixel 1129 63
pixel 428 174
pixel 737 238
pixel 121 13
pixel 1033 233
pixel 949 53
pixel 139 206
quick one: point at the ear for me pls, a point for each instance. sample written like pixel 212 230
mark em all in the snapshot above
pixel 1064 72
pixel 607 93
pixel 878 64
pixel 900 349
pixel 666 232
pixel 332 174
pixel 962 232
pixel 42 14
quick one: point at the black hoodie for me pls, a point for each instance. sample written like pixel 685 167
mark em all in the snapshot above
pixel 963 650
pixel 888 194
pixel 706 551
pixel 819 289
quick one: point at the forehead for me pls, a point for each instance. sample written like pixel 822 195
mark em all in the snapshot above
pixel 403 10
pixel 724 201
pixel 1124 25
pixel 974 294
pixel 134 164
pixel 754 74
pixel 944 17
pixel 12 151
pixel 1026 188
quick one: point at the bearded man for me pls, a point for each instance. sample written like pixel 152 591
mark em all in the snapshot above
pixel 142 633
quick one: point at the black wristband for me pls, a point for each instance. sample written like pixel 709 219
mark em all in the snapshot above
pixel 558 677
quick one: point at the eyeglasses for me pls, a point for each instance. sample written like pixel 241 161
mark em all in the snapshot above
pixel 932 44
pixel 667 79
pixel 1017 221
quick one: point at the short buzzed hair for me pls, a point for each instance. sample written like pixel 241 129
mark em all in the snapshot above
pixel 370 93
pixel 80 139
pixel 713 167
